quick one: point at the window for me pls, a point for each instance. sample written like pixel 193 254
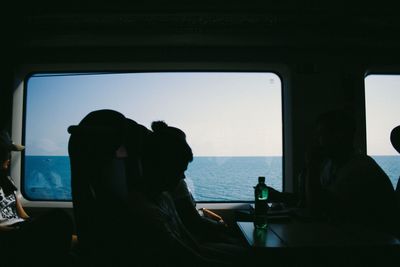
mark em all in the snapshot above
pixel 382 93
pixel 233 122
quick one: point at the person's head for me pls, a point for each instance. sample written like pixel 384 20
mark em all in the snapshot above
pixel 395 138
pixel 169 155
pixel 335 131
pixel 107 138
pixel 6 146
pixel 101 132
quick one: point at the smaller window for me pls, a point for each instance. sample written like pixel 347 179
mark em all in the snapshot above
pixel 382 94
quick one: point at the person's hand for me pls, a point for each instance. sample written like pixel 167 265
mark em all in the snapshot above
pixel 273 194
pixel 212 215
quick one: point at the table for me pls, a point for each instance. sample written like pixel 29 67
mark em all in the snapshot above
pixel 322 244
pixel 306 234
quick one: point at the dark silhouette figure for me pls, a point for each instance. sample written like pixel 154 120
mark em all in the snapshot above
pixel 395 140
pixel 44 240
pixel 123 212
pixel 343 184
pixel 104 153
pixel 165 159
pixel 177 156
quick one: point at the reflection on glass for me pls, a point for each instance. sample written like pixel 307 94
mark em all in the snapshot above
pixel 382 115
pixel 260 237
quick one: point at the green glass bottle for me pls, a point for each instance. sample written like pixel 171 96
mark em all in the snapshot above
pixel 261 204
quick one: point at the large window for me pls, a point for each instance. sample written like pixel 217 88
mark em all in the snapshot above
pixel 233 122
pixel 382 94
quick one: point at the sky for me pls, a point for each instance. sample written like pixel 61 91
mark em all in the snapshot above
pixel 222 114
pixel 382 96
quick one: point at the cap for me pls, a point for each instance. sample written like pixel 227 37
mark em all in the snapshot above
pixel 7 144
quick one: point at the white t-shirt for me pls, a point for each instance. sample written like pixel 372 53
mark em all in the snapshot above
pixel 8 209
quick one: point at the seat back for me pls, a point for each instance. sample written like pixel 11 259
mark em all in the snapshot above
pixel 100 188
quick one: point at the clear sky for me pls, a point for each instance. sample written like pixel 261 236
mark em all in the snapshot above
pixel 223 114
pixel 382 100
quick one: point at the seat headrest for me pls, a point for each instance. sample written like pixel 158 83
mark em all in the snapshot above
pixel 106 130
pixel 100 122
pixel 395 138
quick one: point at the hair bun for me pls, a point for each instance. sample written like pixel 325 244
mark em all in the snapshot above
pixel 158 126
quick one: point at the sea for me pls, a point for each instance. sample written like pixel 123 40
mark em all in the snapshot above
pixel 222 179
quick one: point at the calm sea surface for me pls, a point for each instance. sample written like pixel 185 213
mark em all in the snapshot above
pixel 209 178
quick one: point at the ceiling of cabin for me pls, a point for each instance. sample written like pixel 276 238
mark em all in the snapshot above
pixel 232 23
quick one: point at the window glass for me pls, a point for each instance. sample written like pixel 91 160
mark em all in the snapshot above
pixel 382 94
pixel 233 122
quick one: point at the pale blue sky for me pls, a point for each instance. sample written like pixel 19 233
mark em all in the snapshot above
pixel 382 93
pixel 223 114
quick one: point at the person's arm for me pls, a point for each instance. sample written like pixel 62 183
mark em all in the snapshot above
pixel 187 211
pixel 283 197
pixel 186 208
pixel 194 221
pixel 20 210
pixel 179 249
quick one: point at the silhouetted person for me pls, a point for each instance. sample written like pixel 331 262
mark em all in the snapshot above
pixel 343 184
pixel 177 156
pixel 395 140
pixel 165 159
pixel 42 240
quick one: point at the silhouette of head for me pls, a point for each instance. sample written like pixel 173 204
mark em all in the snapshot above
pixel 335 132
pixel 395 138
pixel 102 131
pixel 104 135
pixel 171 155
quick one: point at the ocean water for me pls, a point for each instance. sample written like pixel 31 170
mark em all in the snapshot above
pixel 231 178
pixel 47 178
pixel 209 178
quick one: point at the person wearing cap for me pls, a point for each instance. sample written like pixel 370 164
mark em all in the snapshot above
pixel 11 211
pixel 42 240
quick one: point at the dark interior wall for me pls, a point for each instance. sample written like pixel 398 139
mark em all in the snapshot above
pixel 6 76
pixel 326 49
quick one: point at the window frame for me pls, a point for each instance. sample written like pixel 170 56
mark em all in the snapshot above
pixel 26 71
pixel 376 70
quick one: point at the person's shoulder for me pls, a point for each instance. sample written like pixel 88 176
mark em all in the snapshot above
pixel 181 191
pixel 360 166
pixel 369 167
pixel 164 199
pixel 367 161
pixel 363 160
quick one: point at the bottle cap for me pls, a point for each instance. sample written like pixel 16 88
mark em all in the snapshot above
pixel 261 179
